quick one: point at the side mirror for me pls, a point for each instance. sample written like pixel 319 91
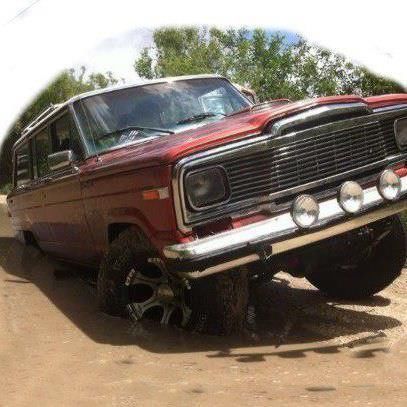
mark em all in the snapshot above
pixel 61 160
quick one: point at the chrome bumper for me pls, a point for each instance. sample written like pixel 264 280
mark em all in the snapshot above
pixel 279 234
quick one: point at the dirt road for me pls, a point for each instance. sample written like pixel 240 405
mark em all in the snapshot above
pixel 56 349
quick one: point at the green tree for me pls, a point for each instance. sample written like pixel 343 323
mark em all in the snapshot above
pixel 265 62
pixel 69 83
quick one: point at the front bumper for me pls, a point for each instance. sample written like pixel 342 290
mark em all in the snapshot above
pixel 247 244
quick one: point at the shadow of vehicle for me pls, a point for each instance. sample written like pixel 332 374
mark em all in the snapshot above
pixel 297 318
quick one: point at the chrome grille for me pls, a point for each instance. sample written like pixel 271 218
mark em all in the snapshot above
pixel 311 151
pixel 297 163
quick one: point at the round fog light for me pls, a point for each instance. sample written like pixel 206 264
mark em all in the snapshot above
pixel 305 211
pixel 351 197
pixel 389 185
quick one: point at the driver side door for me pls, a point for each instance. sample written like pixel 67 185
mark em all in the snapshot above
pixel 62 197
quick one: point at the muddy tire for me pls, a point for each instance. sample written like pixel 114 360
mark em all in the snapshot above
pixel 217 304
pixel 372 274
pixel 128 250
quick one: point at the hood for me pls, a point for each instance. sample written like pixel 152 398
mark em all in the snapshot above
pixel 169 149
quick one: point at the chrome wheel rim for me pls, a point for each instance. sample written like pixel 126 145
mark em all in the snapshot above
pixel 155 295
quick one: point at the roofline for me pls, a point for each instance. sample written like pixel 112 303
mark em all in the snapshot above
pixel 27 131
pixel 142 83
pixel 49 111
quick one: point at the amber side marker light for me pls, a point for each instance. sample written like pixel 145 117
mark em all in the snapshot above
pixel 155 194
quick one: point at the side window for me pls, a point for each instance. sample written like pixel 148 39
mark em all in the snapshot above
pixel 23 166
pixel 64 136
pixel 42 150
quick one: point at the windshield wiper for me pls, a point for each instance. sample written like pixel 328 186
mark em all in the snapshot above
pixel 128 128
pixel 198 117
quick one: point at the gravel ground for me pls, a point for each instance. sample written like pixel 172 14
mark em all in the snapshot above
pixel 57 349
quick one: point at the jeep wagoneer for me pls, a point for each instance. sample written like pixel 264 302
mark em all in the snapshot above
pixel 181 190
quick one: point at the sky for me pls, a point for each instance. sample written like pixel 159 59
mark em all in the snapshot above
pixel 117 54
pixel 12 10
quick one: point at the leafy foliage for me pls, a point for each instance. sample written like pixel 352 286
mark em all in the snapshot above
pixel 69 83
pixel 262 61
pixel 265 62
pixel 5 189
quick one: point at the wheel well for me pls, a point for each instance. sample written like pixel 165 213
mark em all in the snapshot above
pixel 115 229
pixel 29 238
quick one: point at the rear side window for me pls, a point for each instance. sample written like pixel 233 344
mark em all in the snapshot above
pixel 42 150
pixel 64 136
pixel 23 166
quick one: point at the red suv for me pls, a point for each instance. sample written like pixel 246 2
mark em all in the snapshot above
pixel 182 190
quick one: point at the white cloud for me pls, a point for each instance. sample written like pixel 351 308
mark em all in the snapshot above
pixel 117 54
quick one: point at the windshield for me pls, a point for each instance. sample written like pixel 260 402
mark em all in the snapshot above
pixel 141 113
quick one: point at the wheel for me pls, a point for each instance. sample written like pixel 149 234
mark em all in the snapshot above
pixel 219 303
pixel 365 272
pixel 133 281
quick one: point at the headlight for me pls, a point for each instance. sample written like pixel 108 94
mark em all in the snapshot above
pixel 389 185
pixel 400 129
pixel 351 197
pixel 206 187
pixel 305 211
